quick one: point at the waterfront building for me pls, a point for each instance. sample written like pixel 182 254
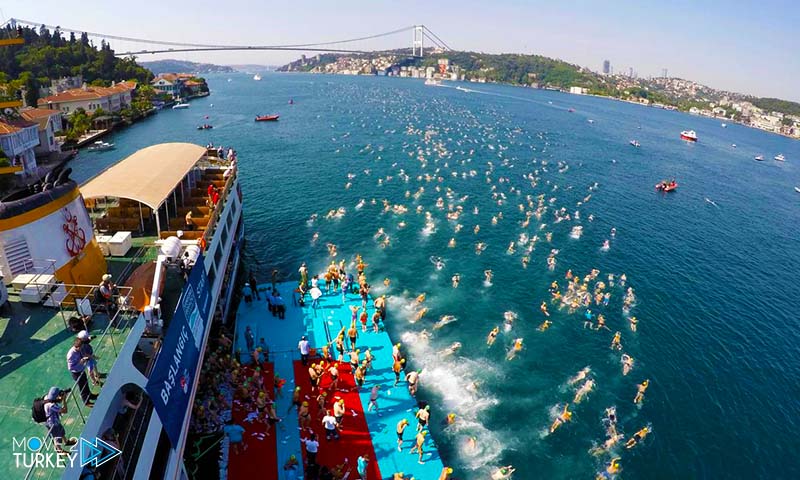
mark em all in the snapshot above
pixel 50 122
pixel 168 83
pixel 18 139
pixel 110 99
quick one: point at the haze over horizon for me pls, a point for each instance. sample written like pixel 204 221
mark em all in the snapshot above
pixel 732 45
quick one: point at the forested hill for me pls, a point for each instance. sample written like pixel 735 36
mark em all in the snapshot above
pixel 50 55
pixel 184 66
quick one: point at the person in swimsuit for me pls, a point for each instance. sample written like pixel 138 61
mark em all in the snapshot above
pixel 401 426
pixel 642 387
pixel 563 418
pixel 637 437
pixel 304 415
pixel 492 336
pixel 418 446
pixel 334 373
pixel 423 414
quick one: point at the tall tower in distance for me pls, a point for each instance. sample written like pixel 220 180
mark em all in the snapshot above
pixel 606 67
pixel 664 73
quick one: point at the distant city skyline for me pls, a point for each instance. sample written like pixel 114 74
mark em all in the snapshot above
pixel 721 44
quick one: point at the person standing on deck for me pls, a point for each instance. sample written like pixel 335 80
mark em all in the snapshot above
pixel 275 278
pixel 401 427
pixel 280 305
pixel 363 462
pixel 338 412
pixel 334 373
pixel 412 377
pixel 315 294
pixel 364 292
pixel 373 399
pixel 331 429
pixel 247 293
pixel 418 446
pixel 76 364
pixel 254 285
pixel 352 333
pixel 312 447
pixel 303 274
pixel 397 367
pixel 423 415
pixel 304 348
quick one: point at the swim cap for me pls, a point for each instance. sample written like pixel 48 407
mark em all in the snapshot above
pixel 292 457
pixel 341 400
pixel 305 404
pixel 449 470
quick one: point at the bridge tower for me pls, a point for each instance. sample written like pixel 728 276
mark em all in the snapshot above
pixel 419 34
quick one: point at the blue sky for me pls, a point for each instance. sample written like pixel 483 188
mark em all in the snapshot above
pixel 744 46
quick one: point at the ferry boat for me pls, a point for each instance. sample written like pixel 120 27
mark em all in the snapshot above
pixel 162 330
pixel 689 135
pixel 779 157
pixel 256 77
pixel 168 287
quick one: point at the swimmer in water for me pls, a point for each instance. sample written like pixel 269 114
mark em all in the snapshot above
pixel 386 282
pixel 516 348
pixel 545 325
pixel 453 348
pixel 616 342
pixel 543 308
pixel 452 243
pixel 492 336
pixel 421 298
pixel 562 418
pixel 633 321
pixel 641 388
pixel 444 321
pixel 585 389
pixel 456 279
pixel 637 437
pixel 420 314
pixel 613 232
pixel 472 444
pixel 579 376
pixel 487 277
pixel 627 363
pixel 503 473
pixel 612 468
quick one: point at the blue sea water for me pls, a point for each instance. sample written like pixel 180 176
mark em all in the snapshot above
pixel 713 265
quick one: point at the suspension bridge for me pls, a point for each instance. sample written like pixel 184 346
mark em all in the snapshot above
pixel 421 38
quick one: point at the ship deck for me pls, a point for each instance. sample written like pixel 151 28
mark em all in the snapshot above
pixel 395 403
pixel 34 341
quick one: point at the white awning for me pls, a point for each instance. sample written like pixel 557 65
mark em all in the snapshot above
pixel 148 176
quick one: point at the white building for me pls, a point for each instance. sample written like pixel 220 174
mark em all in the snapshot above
pixel 578 90
pixel 169 83
pixel 49 122
pixel 111 99
pixel 18 138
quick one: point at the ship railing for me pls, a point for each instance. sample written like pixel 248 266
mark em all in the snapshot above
pixel 106 347
pixel 223 198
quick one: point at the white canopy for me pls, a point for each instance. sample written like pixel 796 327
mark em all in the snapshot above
pixel 148 176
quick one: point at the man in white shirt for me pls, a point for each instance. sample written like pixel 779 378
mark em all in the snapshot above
pixel 329 422
pixel 312 447
pixel 304 348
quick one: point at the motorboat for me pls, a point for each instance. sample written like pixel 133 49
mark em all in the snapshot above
pixel 590 121
pixel 635 143
pixel 724 125
pixel 759 158
pixel 179 106
pixel 291 101
pixel 433 82
pixel 256 77
pixel 779 157
pixel 100 146
pixel 267 118
pixel 205 127
pixel 733 145
pixel 571 110
pixel 666 186
pixel 797 189
pixel 689 135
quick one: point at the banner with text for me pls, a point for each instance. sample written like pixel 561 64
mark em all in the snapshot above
pixel 173 375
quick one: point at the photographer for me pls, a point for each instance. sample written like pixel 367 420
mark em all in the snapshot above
pixel 53 409
pixel 76 364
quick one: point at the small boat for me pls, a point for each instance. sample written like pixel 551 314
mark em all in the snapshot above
pixel 689 135
pixel 797 189
pixel 463 89
pixel 229 79
pixel 256 77
pixel 666 186
pixel 179 106
pixel 432 82
pixel 590 120
pixel 100 146
pixel 724 125
pixel 733 145
pixel 205 127
pixel 571 110
pixel 291 101
pixel 759 158
pixel 635 143
pixel 267 118
pixel 779 157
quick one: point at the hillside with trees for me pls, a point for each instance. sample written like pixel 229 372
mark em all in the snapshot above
pixel 50 55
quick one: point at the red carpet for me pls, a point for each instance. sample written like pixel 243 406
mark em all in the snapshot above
pixel 354 437
pixel 260 460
